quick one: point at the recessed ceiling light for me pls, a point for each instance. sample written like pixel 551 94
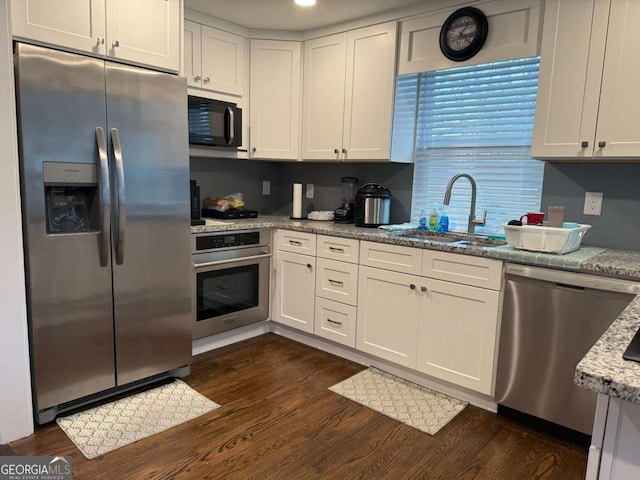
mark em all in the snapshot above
pixel 305 3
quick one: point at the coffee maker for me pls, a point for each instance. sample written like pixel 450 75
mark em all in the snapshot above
pixel 344 213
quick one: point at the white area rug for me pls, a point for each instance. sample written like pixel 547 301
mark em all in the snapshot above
pixel 407 402
pixel 116 424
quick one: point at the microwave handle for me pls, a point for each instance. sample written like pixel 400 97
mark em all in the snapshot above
pixel 232 124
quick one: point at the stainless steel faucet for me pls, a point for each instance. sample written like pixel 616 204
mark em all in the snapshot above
pixel 472 213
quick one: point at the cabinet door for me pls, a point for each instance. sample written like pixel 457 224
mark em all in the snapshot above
pixel 388 309
pixel 76 24
pixel 571 56
pixel 618 114
pixel 192 54
pixel 370 80
pixel 223 61
pixel 457 334
pixel 154 41
pixel 275 99
pixel 323 97
pixel 295 290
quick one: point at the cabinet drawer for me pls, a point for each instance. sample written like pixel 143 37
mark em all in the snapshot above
pixel 337 281
pixel 464 269
pixel 336 248
pixel 335 321
pixel 391 257
pixel 296 242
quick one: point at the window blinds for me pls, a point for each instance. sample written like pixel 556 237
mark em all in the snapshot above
pixel 476 120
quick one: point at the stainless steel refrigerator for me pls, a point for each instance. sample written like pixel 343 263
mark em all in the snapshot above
pixel 105 198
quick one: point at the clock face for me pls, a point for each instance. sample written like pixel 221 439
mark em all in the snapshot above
pixel 463 34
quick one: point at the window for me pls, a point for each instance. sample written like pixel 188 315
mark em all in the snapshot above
pixel 476 120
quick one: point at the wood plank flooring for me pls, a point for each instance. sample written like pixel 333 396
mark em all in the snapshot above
pixel 278 421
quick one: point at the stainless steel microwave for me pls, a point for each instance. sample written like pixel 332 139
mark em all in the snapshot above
pixel 214 123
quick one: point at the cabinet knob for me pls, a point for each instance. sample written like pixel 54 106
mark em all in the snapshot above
pixel 197 78
pixel 309 265
pixel 100 41
pixel 602 144
pixel 253 150
pixel 423 289
pixel 336 151
pixel 116 43
pixel 206 80
pixel 412 286
pixel 344 150
pixel 584 144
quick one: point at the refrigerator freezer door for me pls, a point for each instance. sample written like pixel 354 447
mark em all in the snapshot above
pixel 61 99
pixel 147 116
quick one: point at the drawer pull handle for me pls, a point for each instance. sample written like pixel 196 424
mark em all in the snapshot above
pixel 412 286
pixel 336 249
pixel 336 282
pixel 334 322
pixel 296 243
pixel 423 289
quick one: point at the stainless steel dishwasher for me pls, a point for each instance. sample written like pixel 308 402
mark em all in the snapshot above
pixel 550 319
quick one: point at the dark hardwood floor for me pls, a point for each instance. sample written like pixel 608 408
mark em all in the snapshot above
pixel 278 421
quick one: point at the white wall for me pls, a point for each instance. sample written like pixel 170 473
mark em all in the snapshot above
pixel 16 419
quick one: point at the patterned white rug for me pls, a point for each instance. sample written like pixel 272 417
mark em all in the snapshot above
pixel 119 423
pixel 407 402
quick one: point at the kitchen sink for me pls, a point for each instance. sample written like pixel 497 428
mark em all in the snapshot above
pixel 480 242
pixel 430 237
pixel 454 239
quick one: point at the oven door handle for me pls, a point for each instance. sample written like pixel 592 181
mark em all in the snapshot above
pixel 231 260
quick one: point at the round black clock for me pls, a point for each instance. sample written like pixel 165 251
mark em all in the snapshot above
pixel 463 34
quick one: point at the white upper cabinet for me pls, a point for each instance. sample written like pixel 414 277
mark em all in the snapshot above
pixel 223 61
pixel 214 60
pixel 76 24
pixel 348 94
pixel 275 86
pixel 587 107
pixel 112 28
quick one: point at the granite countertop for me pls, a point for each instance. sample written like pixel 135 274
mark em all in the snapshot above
pixel 602 370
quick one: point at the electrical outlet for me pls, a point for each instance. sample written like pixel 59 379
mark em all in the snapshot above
pixel 266 187
pixel 593 203
pixel 310 189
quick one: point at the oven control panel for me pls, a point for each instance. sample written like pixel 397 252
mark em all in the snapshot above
pixel 216 241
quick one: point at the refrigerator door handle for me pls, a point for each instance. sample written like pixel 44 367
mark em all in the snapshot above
pixel 105 196
pixel 122 204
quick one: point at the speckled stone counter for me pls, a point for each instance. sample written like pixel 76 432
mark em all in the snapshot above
pixel 602 370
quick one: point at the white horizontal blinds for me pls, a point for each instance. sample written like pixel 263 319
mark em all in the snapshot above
pixel 478 120
pixel 404 117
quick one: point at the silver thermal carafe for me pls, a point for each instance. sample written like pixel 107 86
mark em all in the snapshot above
pixel 344 213
pixel 372 205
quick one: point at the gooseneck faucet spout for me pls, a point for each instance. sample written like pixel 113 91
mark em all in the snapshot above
pixel 472 213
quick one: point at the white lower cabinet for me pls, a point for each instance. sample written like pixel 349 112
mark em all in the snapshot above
pixel 335 321
pixel 433 312
pixel 457 334
pixel 388 312
pixel 295 290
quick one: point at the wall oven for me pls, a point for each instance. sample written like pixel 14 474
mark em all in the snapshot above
pixel 231 280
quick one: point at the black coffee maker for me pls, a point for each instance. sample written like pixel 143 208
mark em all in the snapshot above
pixel 344 213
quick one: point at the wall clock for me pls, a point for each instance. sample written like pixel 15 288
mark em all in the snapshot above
pixel 463 34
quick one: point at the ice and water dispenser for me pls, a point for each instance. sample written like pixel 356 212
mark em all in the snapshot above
pixel 71 197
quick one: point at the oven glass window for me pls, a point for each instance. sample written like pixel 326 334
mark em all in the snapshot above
pixel 230 290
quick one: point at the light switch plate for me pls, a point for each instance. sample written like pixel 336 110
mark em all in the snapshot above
pixel 266 187
pixel 310 190
pixel 593 203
